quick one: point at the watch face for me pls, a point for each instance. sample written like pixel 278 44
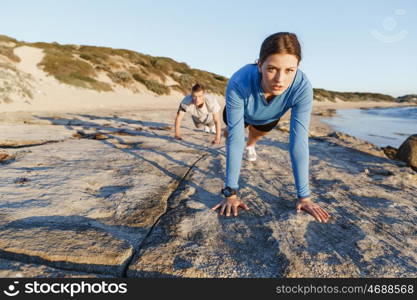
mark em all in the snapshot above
pixel 227 192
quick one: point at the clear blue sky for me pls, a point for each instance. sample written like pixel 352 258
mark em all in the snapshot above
pixel 347 45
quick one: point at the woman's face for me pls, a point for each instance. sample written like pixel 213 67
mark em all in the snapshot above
pixel 278 72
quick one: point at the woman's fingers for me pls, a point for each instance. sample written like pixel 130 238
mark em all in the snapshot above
pixel 245 207
pixel 217 206
pixel 315 214
pixel 312 211
pixel 298 207
pixel 315 210
pixel 228 208
pixel 325 212
pixel 222 210
pixel 325 215
pixel 322 217
pixel 234 208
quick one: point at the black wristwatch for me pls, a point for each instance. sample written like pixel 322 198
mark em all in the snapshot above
pixel 228 192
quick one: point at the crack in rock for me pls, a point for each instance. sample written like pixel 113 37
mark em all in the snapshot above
pixel 167 209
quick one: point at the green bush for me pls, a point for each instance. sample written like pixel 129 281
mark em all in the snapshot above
pixel 8 52
pixel 95 55
pixel 100 86
pixel 152 85
pixel 58 62
pixel 122 76
pixel 5 38
pixel 138 78
pixel 323 95
pixel 86 56
pixel 185 81
pixel 161 64
pixel 180 89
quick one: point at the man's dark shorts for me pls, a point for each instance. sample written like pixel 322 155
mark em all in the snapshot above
pixel 264 128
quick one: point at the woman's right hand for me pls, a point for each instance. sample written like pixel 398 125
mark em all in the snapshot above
pixel 230 204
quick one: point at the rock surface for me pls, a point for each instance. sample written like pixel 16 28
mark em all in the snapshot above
pixel 17 269
pixel 115 195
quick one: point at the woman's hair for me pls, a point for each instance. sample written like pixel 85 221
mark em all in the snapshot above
pixel 280 43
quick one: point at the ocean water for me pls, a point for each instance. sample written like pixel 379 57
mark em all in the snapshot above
pixel 380 126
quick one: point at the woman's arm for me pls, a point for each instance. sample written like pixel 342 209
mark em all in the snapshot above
pixel 299 150
pixel 236 134
pixel 234 148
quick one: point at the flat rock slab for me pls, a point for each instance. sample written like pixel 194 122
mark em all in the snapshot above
pixel 86 204
pixel 17 269
pixel 64 243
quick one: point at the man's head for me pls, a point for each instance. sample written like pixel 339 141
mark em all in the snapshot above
pixel 197 94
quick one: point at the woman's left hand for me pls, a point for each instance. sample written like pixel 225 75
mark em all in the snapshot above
pixel 313 209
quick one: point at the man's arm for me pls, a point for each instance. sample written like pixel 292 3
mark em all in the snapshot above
pixel 178 119
pixel 218 124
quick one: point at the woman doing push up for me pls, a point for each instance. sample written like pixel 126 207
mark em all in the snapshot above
pixel 257 96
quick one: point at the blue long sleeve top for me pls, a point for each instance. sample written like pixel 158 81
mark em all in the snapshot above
pixel 245 102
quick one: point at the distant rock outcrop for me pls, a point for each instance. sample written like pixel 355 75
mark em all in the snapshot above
pixel 330 112
pixel 333 96
pixel 390 152
pixel 408 98
pixel 408 151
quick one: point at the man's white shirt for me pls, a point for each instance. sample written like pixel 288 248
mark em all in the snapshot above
pixel 205 113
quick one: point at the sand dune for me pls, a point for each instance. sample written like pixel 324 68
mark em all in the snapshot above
pixel 51 95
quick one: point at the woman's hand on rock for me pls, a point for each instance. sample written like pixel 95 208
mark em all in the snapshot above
pixel 230 204
pixel 313 209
